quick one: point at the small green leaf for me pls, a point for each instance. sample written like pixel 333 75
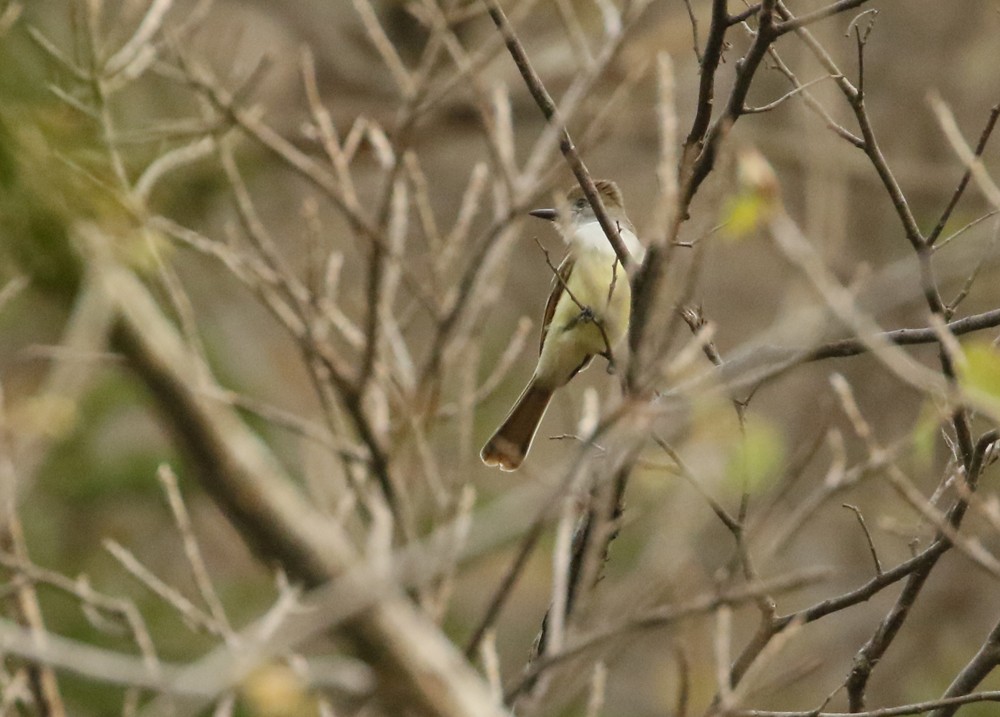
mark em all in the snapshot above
pixel 756 459
pixel 981 369
pixel 925 432
pixel 742 215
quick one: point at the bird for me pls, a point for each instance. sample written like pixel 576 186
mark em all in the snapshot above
pixel 587 314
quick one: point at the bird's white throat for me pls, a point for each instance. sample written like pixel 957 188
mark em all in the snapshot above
pixel 590 236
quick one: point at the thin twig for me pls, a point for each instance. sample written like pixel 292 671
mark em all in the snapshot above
pixel 868 536
pixel 694 30
pixel 664 616
pixel 984 137
pixel 192 551
pixel 915 708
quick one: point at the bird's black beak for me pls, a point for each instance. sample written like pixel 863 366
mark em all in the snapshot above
pixel 550 214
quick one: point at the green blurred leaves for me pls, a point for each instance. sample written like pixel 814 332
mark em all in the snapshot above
pixel 756 458
pixel 743 214
pixel 758 197
pixel 980 371
pixel 924 435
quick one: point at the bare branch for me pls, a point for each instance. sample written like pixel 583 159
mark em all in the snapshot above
pixel 984 137
pixel 809 18
pixel 140 42
pixel 551 112
pixel 868 536
pixel 275 519
pixel 912 709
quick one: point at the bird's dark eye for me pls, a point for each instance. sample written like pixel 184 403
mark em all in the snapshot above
pixel 581 202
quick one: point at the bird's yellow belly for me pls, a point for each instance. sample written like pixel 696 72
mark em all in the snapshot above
pixel 591 317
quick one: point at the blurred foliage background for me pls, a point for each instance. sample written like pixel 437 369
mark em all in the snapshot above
pixel 95 480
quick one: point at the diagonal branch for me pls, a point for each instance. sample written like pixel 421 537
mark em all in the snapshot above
pixel 548 107
pixel 238 470
pixel 984 662
pixel 964 181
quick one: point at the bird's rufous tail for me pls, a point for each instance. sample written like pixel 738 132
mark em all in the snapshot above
pixel 509 445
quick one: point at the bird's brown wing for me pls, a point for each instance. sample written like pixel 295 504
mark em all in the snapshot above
pixel 558 287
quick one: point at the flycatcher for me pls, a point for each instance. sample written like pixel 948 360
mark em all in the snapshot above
pixel 587 314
